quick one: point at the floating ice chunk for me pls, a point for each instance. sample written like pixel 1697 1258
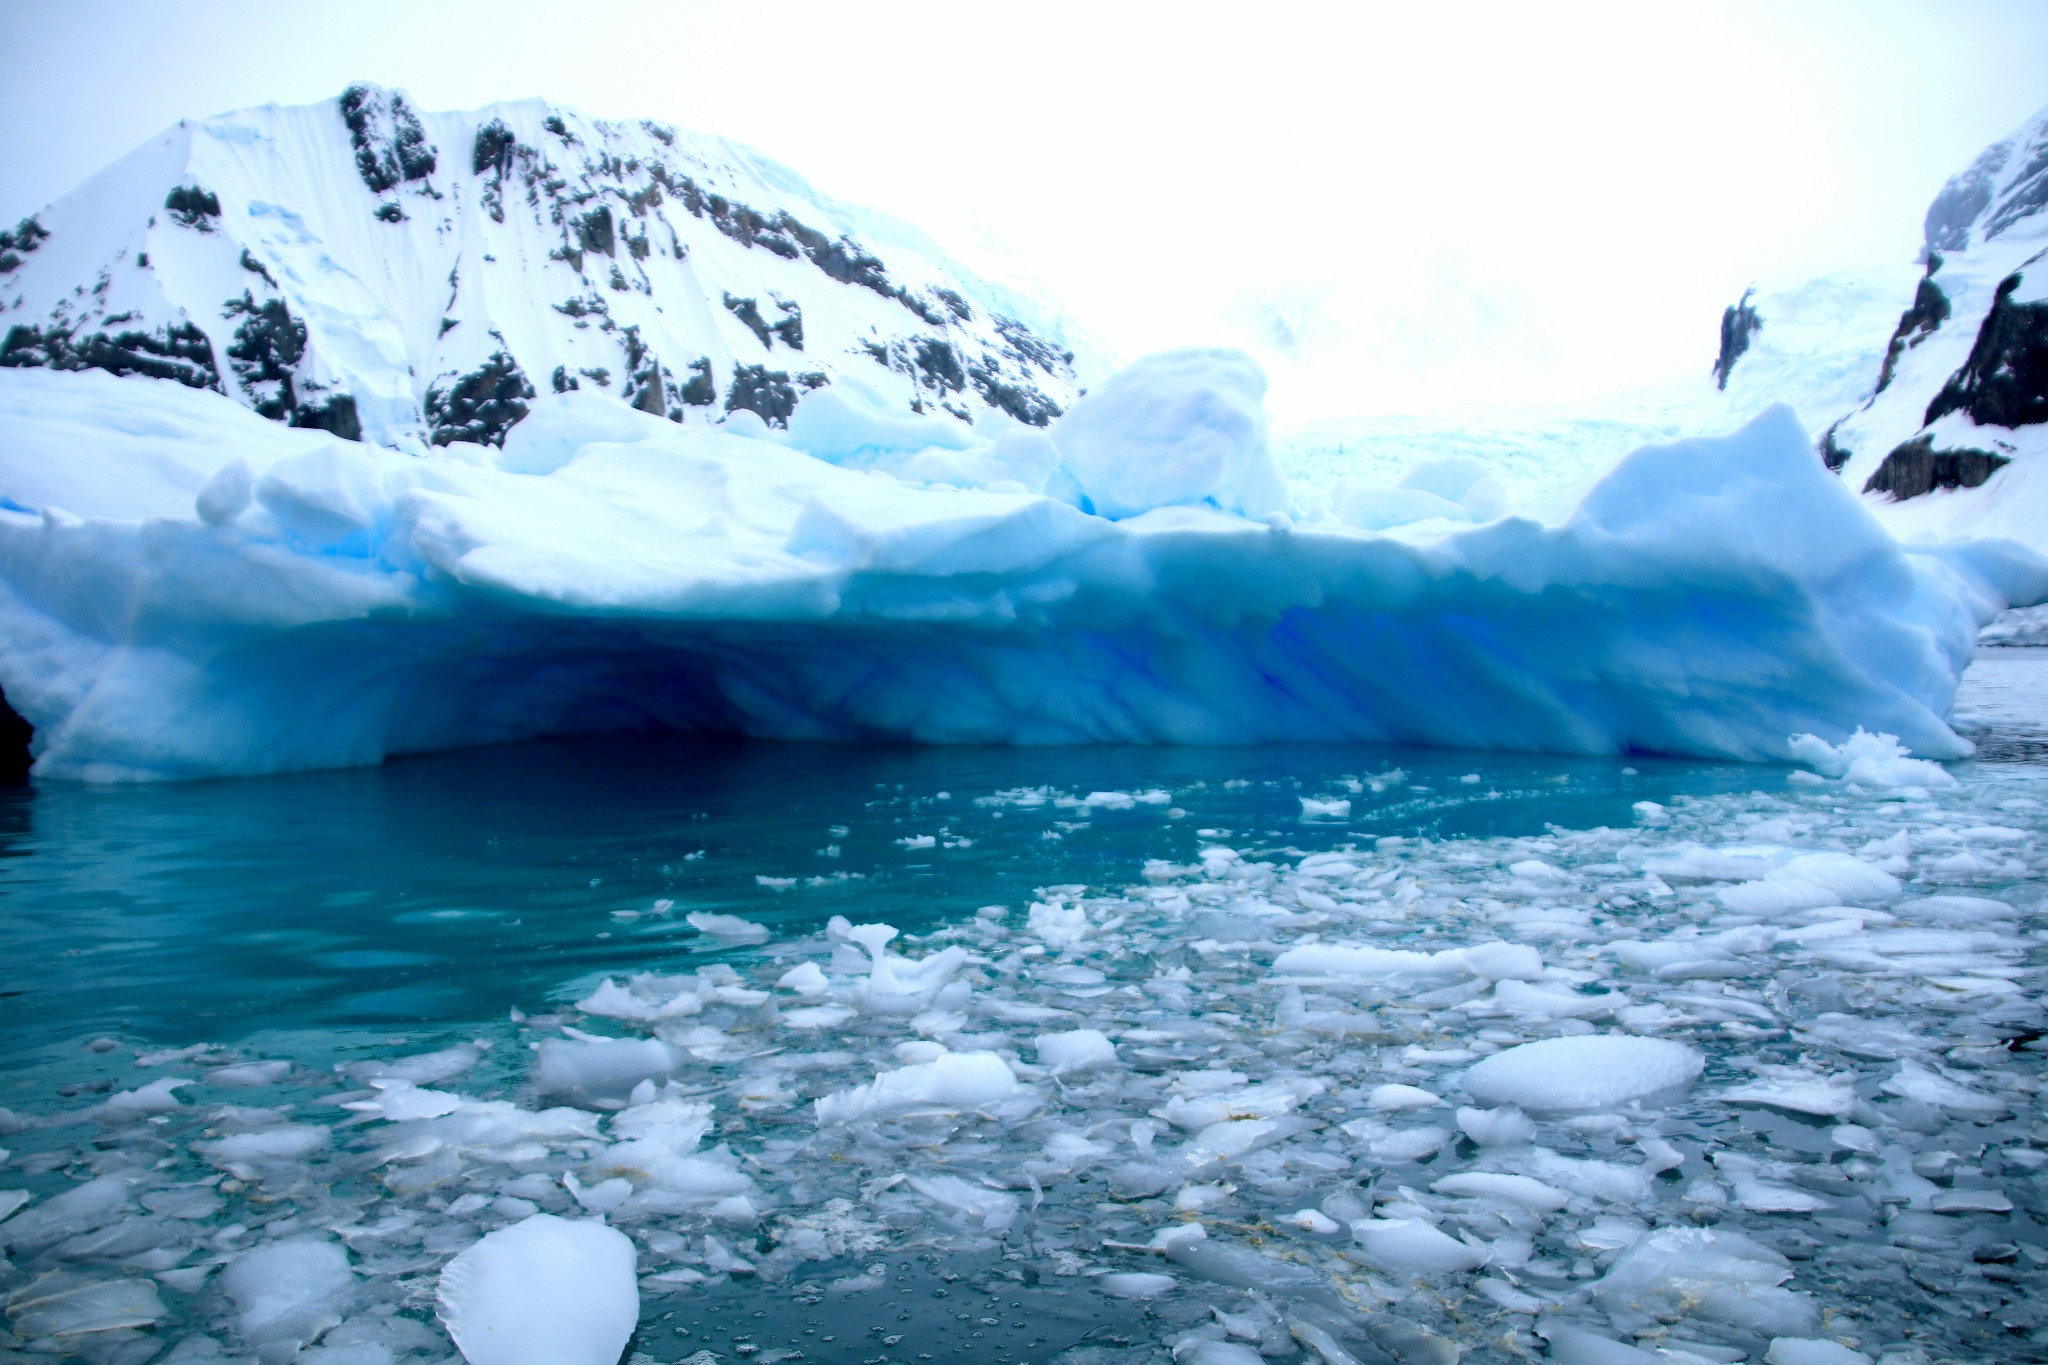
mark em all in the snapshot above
pixel 1524 1190
pixel 1812 1351
pixel 1267 1101
pixel 1810 881
pixel 1414 1247
pixel 1312 809
pixel 1398 1098
pixel 289 1291
pixel 1608 1181
pixel 79 1209
pixel 1916 1082
pixel 1506 1126
pixel 727 927
pixel 1487 961
pixel 1178 429
pixel 1216 1353
pixel 289 1142
pixel 1868 760
pixel 613 1001
pixel 64 1307
pixel 1136 1284
pixel 1075 1050
pixel 1722 1276
pixel 1314 1220
pixel 806 979
pixel 958 1080
pixel 1526 1001
pixel 606 1068
pixel 992 1209
pixel 546 1291
pixel 1576 1346
pixel 158 1097
pixel 11 1202
pixel 1414 1144
pixel 1590 1071
pixel 1798 1091
pixel 248 1075
pixel 1970 1201
pixel 422 1068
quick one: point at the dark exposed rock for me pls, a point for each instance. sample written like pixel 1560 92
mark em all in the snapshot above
pixel 389 213
pixel 597 374
pixel 192 207
pixel 553 123
pixel 480 406
pixel 1021 401
pixel 493 149
pixel 28 234
pixel 595 231
pixel 1027 346
pixel 940 365
pixel 1916 467
pixel 749 313
pixel 700 391
pixel 1739 326
pixel 268 347
pixel 760 389
pixel 2004 383
pixel 1833 453
pixel 1930 309
pixel 179 351
pixel 791 328
pixel 15 734
pixel 256 267
pixel 955 305
pixel 1964 197
pixel 563 381
pixel 391 147
pixel 336 413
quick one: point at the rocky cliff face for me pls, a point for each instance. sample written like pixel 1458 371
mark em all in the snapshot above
pixel 1960 400
pixel 414 279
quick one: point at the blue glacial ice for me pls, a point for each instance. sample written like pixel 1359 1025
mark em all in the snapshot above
pixel 187 590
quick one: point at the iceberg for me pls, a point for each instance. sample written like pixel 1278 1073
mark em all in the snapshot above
pixel 188 590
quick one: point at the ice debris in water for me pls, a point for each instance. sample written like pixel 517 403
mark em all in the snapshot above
pixel 1448 1087
pixel 1588 1071
pixel 544 1291
pixel 1869 760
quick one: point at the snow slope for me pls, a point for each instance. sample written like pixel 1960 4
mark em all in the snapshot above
pixel 415 279
pixel 187 589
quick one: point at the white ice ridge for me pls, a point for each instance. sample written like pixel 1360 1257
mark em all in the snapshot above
pixel 189 590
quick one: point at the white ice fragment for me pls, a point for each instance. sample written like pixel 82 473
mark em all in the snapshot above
pixel 1970 1201
pixel 289 1291
pixel 11 1202
pixel 1914 1081
pixel 1200 1352
pixel 546 1291
pixel 1505 1126
pixel 1312 809
pixel 1812 1351
pixel 399 1101
pixel 227 494
pixel 1811 881
pixel 613 1001
pixel 158 1097
pixel 1393 1098
pixel 288 1142
pixel 605 1068
pixel 1588 1071
pixel 1576 1346
pixel 1136 1284
pixel 1797 1090
pixel 248 1075
pixel 806 979
pixel 958 1080
pixel 727 927
pixel 1868 760
pixel 1075 1050
pixel 1725 1277
pixel 1314 1220
pixel 1488 961
pixel 992 1209
pixel 1414 1247
pixel 1514 1189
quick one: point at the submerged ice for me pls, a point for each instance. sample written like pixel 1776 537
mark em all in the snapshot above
pixel 1754 1079
pixel 189 590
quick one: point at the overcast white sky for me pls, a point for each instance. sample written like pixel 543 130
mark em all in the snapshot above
pixel 1435 202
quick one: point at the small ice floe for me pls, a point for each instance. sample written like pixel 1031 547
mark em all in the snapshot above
pixel 1916 1082
pixel 1797 1090
pixel 1487 961
pixel 955 1080
pixel 1522 1190
pixel 1075 1050
pixel 644 999
pixel 422 1068
pixel 1394 1098
pixel 545 1291
pixel 1868 760
pixel 807 979
pixel 1415 1247
pixel 1136 1284
pixel 65 1311
pixel 1313 809
pixel 1588 1071
pixel 1724 1277
pixel 992 1210
pixel 729 927
pixel 1811 881
pixel 586 1069
pixel 288 1293
pixel 1811 1351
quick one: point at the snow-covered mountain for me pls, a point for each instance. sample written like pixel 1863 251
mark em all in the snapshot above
pixel 414 280
pixel 1950 433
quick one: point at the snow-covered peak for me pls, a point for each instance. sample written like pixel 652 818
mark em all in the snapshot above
pixel 414 279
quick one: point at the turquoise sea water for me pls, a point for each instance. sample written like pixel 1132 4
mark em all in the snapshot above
pixel 334 922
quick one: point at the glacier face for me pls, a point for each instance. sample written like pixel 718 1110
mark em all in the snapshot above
pixel 416 279
pixel 189 590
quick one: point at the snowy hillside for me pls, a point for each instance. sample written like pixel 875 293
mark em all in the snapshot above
pixel 414 279
pixel 1947 436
